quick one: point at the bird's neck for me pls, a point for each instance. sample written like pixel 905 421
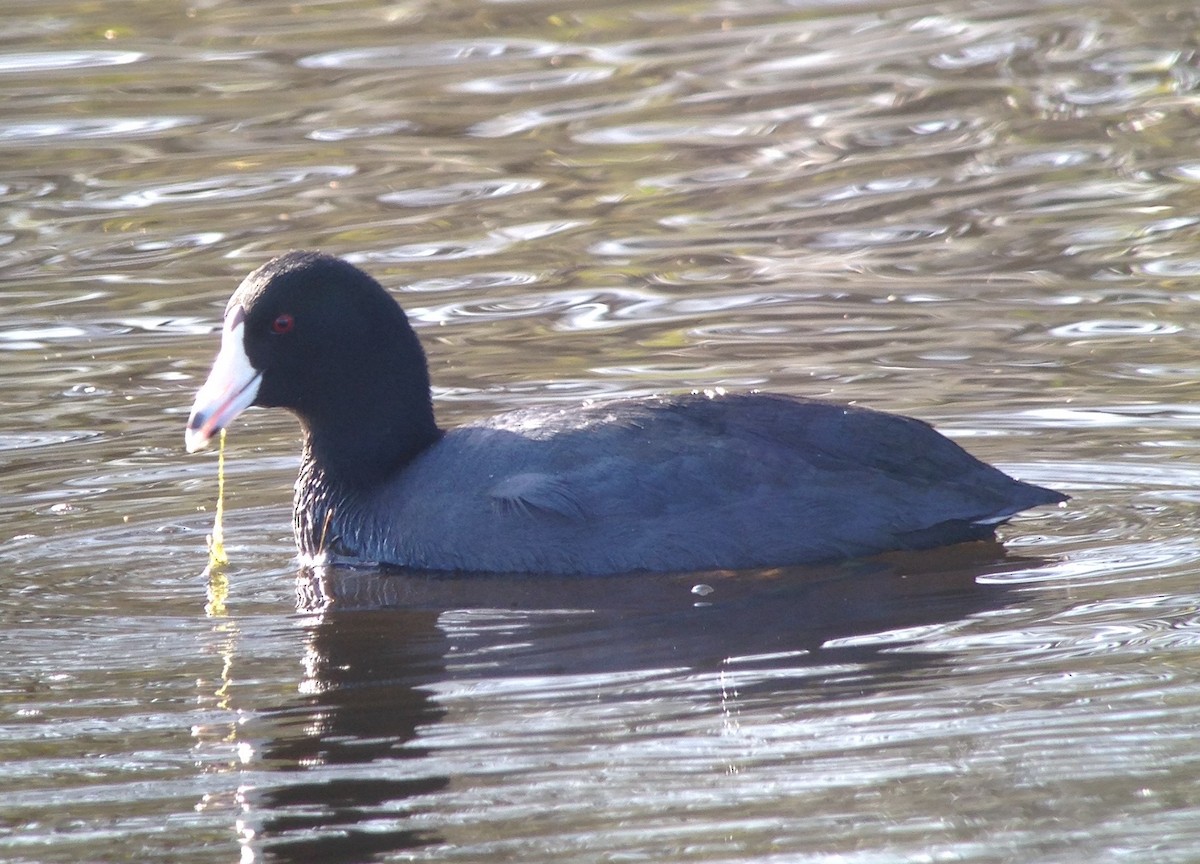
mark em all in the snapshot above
pixel 316 504
pixel 371 422
pixel 337 479
pixel 374 418
pixel 359 451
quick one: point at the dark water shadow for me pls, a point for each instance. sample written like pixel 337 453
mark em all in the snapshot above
pixel 346 748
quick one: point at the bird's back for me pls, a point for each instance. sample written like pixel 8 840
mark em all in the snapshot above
pixel 685 483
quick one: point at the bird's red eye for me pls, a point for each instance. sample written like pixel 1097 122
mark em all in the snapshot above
pixel 283 323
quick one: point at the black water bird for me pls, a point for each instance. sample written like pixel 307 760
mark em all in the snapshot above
pixel 672 483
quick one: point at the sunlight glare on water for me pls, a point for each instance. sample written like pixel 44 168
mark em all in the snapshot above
pixel 983 215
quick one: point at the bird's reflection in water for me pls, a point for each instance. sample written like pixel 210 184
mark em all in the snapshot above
pixel 361 702
pixel 347 750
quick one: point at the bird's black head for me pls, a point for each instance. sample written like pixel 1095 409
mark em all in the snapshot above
pixel 316 335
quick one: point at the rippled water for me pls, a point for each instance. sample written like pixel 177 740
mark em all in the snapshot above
pixel 985 215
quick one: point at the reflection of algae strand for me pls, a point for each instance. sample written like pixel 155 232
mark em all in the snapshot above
pixel 218 582
pixel 216 540
pixel 218 592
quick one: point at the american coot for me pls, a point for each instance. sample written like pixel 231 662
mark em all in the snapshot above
pixel 672 483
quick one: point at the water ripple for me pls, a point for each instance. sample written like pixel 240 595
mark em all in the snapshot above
pixel 455 193
pixel 29 440
pixel 1115 564
pixel 47 61
pixel 1174 268
pixel 537 81
pixel 244 184
pixel 554 113
pixel 420 55
pixel 491 244
pixel 1110 328
pixel 474 282
pixel 370 130
pixel 890 235
pixel 714 131
pixel 599 309
pixel 1187 171
pixel 983 54
pixel 92 127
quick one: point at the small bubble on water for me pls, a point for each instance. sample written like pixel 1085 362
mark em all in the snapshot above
pixel 702 590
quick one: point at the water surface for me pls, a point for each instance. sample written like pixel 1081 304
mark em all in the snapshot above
pixel 982 215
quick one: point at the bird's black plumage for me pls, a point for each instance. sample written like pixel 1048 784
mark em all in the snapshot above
pixel 666 484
